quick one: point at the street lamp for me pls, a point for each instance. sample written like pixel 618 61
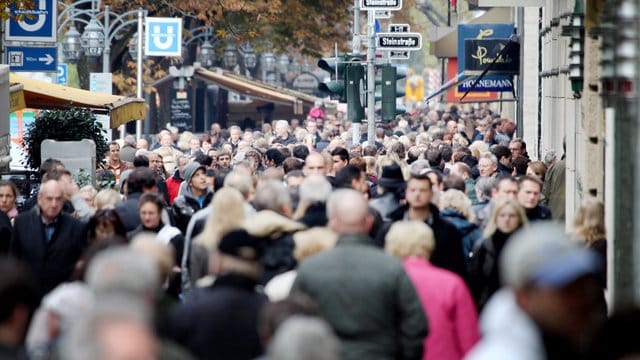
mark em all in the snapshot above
pixel 250 57
pixel 71 46
pixel 230 56
pixel 268 67
pixel 207 54
pixel 92 40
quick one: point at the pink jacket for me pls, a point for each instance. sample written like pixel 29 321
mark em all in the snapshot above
pixel 452 315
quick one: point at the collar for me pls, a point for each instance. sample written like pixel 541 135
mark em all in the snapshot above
pixel 236 281
pixel 42 219
pixel 351 239
pixel 429 220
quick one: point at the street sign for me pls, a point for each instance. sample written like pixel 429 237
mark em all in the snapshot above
pixel 101 83
pixel 38 24
pixel 398 41
pixel 32 58
pixel 383 14
pixel 399 55
pixel 63 73
pixel 399 28
pixel 380 4
pixel 163 37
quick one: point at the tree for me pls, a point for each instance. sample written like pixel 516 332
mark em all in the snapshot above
pixel 18 4
pixel 62 125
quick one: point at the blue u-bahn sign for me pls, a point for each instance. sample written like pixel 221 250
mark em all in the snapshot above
pixel 37 24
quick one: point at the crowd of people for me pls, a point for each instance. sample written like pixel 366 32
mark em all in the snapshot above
pixel 439 239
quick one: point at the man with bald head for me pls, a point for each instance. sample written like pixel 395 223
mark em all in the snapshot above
pixel 48 240
pixel 363 293
pixel 314 164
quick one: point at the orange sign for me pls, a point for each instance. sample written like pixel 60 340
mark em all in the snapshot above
pixel 453 95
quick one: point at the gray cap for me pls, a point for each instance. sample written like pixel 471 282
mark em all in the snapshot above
pixel 543 254
pixel 191 169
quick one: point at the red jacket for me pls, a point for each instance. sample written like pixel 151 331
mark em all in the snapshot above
pixel 173 188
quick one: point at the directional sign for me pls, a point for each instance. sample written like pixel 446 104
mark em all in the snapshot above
pixel 399 28
pixel 383 14
pixel 32 58
pixel 398 41
pixel 163 37
pixel 63 74
pixel 37 24
pixel 380 4
pixel 399 55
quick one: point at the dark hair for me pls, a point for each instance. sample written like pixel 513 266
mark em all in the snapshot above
pixel 342 152
pixel 273 314
pixel 453 182
pixel 529 178
pixel 520 163
pixel 496 184
pixel 153 198
pixel 501 151
pixel 446 152
pixel 420 177
pixel 10 184
pixel 300 152
pixel 347 174
pixel 275 155
pixel 17 287
pixel 55 174
pixel 290 164
pixel 141 161
pixel 106 216
pixel 204 160
pixel 369 150
pixel 49 165
pixel 434 156
pixel 140 179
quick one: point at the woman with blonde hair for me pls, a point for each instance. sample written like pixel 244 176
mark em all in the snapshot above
pixel 507 217
pixel 455 207
pixel 445 298
pixel 228 213
pixel 589 228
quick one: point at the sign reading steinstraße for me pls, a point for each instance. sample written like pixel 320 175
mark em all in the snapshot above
pixel 380 4
pixel 501 55
pixel 398 41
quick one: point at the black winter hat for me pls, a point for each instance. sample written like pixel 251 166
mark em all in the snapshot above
pixel 242 245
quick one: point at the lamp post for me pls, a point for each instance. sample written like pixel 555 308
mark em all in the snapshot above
pixel 96 39
pixel 268 68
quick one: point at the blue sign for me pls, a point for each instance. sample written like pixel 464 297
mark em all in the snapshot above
pixel 37 24
pixel 480 32
pixel 32 58
pixel 163 37
pixel 63 74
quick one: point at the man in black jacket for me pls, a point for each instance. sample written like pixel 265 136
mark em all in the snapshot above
pixel 141 180
pixel 48 240
pixel 194 195
pixel 448 253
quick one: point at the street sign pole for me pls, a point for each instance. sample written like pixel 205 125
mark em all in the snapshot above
pixel 371 81
pixel 355 126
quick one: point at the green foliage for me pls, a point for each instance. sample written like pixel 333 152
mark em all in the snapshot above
pixel 63 125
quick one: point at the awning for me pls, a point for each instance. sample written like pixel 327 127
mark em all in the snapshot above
pixel 454 81
pixel 444 40
pixel 32 93
pixel 255 89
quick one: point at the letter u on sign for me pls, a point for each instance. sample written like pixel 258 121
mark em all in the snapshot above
pixel 163 36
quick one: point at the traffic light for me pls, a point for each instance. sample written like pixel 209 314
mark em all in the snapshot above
pixel 355 89
pixel 389 77
pixel 336 67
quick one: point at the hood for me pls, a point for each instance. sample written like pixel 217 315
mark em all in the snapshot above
pixel 268 223
pixel 504 325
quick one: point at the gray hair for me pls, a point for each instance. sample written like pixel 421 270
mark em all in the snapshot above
pixel 284 123
pixel 271 195
pixel 490 156
pixel 484 185
pixel 130 140
pixel 123 271
pixel 304 337
pixel 82 341
pixel 550 156
pixel 239 181
pixel 419 166
pixel 315 188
